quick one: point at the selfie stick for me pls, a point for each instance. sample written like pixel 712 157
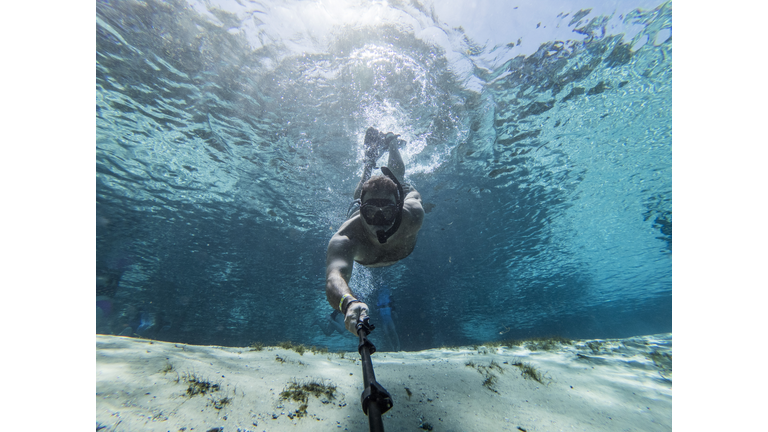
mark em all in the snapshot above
pixel 375 399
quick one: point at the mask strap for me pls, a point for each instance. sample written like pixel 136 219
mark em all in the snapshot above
pixel 352 205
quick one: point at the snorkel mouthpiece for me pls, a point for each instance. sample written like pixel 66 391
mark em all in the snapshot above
pixel 379 220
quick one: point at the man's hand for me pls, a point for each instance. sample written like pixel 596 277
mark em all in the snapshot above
pixel 355 312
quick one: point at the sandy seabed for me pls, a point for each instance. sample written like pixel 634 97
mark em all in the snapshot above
pixel 589 385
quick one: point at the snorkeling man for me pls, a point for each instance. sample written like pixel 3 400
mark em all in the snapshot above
pixel 381 232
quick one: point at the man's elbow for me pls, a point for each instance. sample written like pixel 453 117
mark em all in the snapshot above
pixel 333 277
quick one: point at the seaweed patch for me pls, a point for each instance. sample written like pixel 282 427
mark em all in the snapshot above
pixel 487 372
pixel 198 385
pixel 528 371
pixel 299 391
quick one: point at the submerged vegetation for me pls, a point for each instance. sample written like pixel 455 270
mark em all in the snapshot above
pixel 595 346
pixel 533 344
pixel 663 361
pixel 490 381
pixel 220 403
pixel 301 349
pixel 528 371
pixel 285 360
pixel 299 391
pixel 547 344
pixel 288 345
pixel 487 372
pixel 168 368
pixel 660 359
pixel 256 346
pixel 198 385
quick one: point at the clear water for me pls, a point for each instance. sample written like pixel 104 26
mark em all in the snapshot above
pixel 229 140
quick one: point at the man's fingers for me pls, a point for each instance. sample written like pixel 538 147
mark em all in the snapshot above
pixel 351 322
pixel 354 314
pixel 348 322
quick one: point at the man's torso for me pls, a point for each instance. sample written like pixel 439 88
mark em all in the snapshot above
pixel 370 253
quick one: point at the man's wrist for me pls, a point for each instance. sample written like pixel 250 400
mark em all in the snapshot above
pixel 350 303
pixel 346 299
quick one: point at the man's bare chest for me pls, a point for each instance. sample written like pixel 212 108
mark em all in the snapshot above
pixel 381 256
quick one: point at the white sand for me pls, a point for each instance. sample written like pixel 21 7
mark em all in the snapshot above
pixel 615 387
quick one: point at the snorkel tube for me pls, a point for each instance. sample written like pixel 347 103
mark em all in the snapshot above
pixel 381 234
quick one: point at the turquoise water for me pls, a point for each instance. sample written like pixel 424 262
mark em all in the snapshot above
pixel 229 141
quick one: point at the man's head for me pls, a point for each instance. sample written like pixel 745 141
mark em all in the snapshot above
pixel 380 186
pixel 379 204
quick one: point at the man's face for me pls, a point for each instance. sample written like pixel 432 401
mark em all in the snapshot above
pixel 379 210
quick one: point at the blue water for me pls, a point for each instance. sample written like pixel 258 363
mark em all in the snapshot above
pixel 229 141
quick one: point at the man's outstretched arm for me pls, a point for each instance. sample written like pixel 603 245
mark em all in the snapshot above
pixel 338 270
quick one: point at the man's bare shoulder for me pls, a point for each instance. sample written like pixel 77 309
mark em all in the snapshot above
pixel 412 206
pixel 348 234
pixel 412 194
pixel 345 245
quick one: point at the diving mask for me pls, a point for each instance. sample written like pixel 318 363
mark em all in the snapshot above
pixel 379 212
